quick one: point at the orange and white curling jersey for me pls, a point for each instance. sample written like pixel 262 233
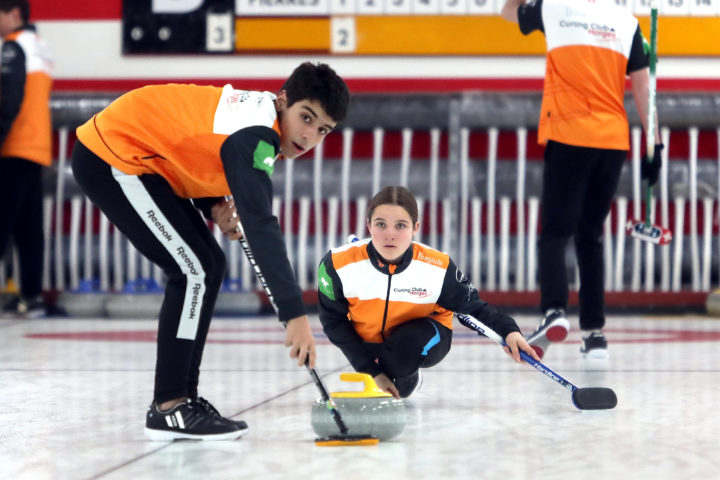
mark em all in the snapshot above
pixel 589 43
pixel 26 57
pixel 362 298
pixel 176 131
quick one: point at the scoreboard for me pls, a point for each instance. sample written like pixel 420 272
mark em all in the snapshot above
pixel 378 27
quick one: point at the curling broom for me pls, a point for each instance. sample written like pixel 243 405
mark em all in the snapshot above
pixel 643 229
pixel 344 439
pixel 591 398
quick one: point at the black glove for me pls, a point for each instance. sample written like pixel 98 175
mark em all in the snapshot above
pixel 650 171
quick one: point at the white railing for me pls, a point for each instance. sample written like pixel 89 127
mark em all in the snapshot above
pixel 462 221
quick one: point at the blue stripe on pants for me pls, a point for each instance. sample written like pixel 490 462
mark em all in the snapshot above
pixel 433 341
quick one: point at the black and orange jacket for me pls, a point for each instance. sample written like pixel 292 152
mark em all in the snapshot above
pixel 25 84
pixel 591 46
pixel 362 298
pixel 206 142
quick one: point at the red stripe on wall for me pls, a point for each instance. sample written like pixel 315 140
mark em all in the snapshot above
pixel 373 85
pixel 75 10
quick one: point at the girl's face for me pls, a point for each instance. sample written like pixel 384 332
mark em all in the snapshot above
pixel 391 231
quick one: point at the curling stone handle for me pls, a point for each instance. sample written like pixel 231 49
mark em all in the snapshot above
pixel 370 388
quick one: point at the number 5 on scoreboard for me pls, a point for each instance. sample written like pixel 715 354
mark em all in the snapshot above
pixel 342 35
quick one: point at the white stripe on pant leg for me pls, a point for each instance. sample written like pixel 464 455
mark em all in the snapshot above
pixel 185 258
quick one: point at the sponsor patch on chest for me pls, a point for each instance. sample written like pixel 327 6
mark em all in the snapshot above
pixel 415 292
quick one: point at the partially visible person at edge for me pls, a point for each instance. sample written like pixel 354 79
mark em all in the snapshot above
pixel 156 154
pixel 387 302
pixel 25 148
pixel 592 46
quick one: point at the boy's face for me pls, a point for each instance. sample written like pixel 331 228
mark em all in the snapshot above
pixel 303 125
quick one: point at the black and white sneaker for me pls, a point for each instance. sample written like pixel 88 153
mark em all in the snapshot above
pixel 212 410
pixel 189 420
pixel 594 346
pixel 24 308
pixel 408 385
pixel 553 328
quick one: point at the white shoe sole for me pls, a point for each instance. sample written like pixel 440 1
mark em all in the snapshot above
pixel 597 359
pixel 597 354
pixel 556 332
pixel 169 435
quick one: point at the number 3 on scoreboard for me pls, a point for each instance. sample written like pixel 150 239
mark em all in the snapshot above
pixel 342 35
pixel 219 32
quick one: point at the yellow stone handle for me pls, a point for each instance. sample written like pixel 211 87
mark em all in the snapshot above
pixel 370 388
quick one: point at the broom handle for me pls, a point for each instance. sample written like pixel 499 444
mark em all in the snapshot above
pixel 475 324
pixel 313 373
pixel 652 90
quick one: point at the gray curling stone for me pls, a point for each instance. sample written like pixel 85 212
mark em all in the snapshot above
pixel 712 304
pixel 371 411
pixel 82 304
pixel 238 303
pixel 134 305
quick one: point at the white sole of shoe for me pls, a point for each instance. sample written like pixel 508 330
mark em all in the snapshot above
pixel 596 354
pixel 557 332
pixel 169 435
pixel 597 359
pixel 596 364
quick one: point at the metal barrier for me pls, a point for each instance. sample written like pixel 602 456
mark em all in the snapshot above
pixel 473 163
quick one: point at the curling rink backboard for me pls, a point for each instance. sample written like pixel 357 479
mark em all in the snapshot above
pixel 73 395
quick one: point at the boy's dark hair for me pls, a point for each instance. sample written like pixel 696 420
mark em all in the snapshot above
pixel 395 195
pixel 321 83
pixel 23 5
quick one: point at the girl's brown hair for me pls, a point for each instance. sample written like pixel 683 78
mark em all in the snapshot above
pixel 394 195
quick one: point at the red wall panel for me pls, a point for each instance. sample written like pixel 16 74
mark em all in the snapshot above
pixel 75 9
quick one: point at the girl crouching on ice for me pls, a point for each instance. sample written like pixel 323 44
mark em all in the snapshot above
pixel 387 302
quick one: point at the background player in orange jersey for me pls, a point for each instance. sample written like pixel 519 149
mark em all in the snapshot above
pixel 592 46
pixel 25 147
pixel 388 302
pixel 154 155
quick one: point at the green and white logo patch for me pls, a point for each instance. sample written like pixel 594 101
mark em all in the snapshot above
pixel 325 284
pixel 264 157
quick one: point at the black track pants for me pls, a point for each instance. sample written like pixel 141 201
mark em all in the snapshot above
pixel 21 219
pixel 578 187
pixel 423 342
pixel 171 233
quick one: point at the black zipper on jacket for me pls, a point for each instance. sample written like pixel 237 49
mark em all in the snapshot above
pixel 387 304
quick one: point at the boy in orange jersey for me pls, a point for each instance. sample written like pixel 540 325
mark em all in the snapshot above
pixel 592 46
pixel 156 151
pixel 387 302
pixel 25 147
